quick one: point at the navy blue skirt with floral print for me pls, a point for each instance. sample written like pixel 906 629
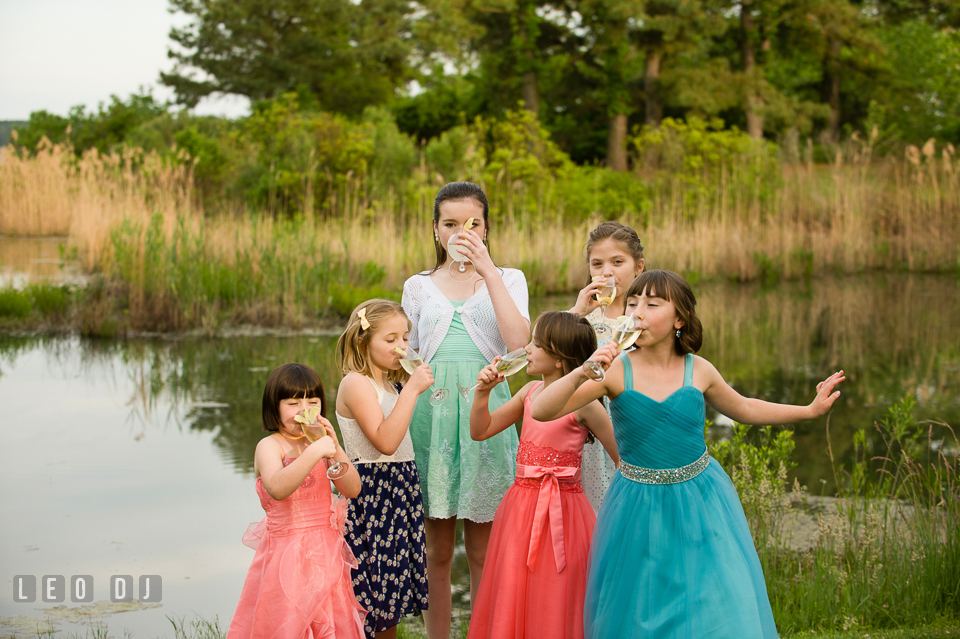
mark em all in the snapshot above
pixel 385 531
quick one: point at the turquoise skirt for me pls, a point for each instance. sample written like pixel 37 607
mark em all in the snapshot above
pixel 675 562
pixel 458 476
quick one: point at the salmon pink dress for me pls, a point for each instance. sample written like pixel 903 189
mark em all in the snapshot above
pixel 299 586
pixel 535 572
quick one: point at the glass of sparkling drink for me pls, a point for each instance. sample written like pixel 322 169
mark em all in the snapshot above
pixel 605 296
pixel 410 360
pixel 624 335
pixel 458 268
pixel 509 364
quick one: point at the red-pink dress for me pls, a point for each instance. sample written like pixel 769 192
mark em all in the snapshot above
pixel 535 572
pixel 299 586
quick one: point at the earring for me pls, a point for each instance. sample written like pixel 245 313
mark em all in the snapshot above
pixel 436 238
pixel 678 332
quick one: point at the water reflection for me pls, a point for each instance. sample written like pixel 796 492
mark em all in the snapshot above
pixel 29 259
pixel 892 334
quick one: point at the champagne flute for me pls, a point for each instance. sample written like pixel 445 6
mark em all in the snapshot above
pixel 624 335
pixel 453 250
pixel 509 364
pixel 605 296
pixel 310 426
pixel 410 360
pixel 313 430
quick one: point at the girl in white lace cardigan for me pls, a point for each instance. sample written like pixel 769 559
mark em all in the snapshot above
pixel 460 323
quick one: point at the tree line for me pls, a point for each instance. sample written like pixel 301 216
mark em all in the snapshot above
pixel 575 106
pixel 589 70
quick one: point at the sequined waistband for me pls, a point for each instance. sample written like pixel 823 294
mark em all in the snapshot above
pixel 665 475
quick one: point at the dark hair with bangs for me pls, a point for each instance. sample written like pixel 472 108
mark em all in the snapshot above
pixel 290 380
pixel 565 336
pixel 673 288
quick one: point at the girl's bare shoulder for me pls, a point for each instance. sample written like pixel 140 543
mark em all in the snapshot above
pixel 353 379
pixel 526 388
pixel 270 445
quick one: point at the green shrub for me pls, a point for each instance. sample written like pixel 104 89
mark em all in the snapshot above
pixel 703 162
pixel 15 303
pixel 49 299
pixel 590 191
pixel 887 550
pixel 346 297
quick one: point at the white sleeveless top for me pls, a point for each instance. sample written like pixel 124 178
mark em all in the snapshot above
pixel 596 467
pixel 594 318
pixel 358 447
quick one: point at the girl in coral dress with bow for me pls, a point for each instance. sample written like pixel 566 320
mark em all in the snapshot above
pixel 535 575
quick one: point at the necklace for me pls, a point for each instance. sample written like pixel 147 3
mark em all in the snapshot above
pixel 462 269
pixel 295 442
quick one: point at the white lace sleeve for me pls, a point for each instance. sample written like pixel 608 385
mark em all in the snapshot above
pixel 516 283
pixel 411 302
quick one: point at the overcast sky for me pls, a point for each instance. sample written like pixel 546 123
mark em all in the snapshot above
pixel 55 54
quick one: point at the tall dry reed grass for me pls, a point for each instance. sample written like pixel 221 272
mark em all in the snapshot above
pixel 858 213
pixel 53 193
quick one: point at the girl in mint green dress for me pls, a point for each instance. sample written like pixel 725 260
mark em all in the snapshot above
pixel 462 320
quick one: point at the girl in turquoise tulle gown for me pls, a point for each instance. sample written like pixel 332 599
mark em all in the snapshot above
pixel 672 556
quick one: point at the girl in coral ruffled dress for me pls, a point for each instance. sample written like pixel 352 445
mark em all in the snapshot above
pixel 298 586
pixel 535 576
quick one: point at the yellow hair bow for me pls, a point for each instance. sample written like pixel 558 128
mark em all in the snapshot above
pixel 362 314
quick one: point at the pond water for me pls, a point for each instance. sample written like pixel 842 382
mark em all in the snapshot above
pixel 26 259
pixel 135 457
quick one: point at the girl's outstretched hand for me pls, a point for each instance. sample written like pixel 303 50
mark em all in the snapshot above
pixel 826 395
pixel 587 298
pixel 488 377
pixel 422 378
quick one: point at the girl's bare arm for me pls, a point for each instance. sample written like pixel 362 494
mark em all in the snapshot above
pixel 594 417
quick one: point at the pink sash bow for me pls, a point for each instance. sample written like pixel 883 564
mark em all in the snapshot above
pixel 548 505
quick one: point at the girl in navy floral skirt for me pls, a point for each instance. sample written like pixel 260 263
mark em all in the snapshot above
pixel 385 522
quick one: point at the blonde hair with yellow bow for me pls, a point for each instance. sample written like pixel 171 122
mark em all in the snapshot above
pixel 364 322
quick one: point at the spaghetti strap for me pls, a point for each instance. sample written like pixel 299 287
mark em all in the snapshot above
pixel 688 369
pixel 627 372
pixel 377 388
pixel 535 386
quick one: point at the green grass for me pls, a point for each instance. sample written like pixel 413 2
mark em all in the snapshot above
pixel 14 303
pixel 941 629
pixel 279 277
pixel 45 301
pixel 199 628
pixel 413 628
pixel 887 551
